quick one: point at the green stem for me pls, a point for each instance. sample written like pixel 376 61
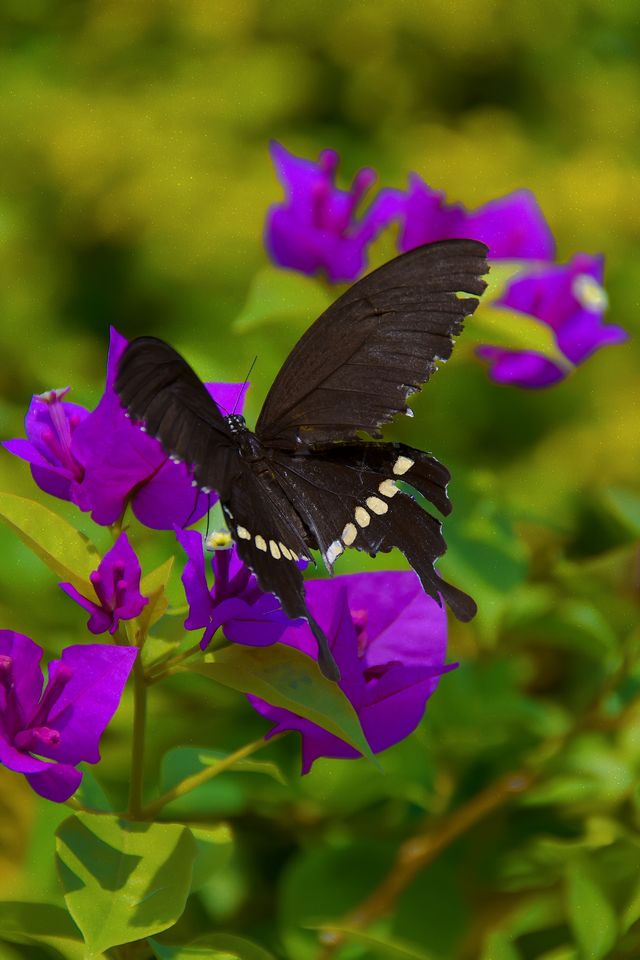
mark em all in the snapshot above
pixel 76 805
pixel 197 779
pixel 137 748
pixel 167 667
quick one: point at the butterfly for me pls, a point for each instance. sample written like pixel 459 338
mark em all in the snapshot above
pixel 305 479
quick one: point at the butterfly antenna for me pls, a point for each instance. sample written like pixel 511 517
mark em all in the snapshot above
pixel 206 536
pixel 253 363
pixel 193 510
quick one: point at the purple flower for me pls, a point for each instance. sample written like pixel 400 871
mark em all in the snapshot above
pixel 513 227
pixel 102 461
pixel 117 586
pixel 316 227
pixel 235 601
pixel 569 299
pixel 389 640
pixel 50 425
pixel 45 735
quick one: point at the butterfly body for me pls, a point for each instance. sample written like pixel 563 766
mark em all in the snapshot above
pixel 306 479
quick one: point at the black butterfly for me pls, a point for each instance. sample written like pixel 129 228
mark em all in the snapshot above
pixel 305 480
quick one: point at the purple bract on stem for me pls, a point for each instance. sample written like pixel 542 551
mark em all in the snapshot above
pixel 316 227
pixel 389 640
pixel 513 226
pixel 44 735
pixel 50 425
pixel 117 587
pixel 568 298
pixel 101 461
pixel 235 602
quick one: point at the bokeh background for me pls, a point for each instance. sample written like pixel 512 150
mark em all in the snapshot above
pixel 135 178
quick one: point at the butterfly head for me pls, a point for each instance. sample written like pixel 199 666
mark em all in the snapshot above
pixel 236 423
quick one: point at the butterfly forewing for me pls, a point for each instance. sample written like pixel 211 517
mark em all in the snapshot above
pixel 159 388
pixel 355 367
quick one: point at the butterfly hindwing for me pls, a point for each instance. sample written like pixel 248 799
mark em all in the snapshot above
pixel 355 367
pixel 350 498
pixel 272 541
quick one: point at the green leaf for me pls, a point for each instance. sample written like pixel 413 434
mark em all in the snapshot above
pixel 499 946
pixel 91 795
pixel 485 555
pixel 626 506
pixel 153 586
pixel 517 331
pixel 287 678
pixel 43 923
pixel 215 847
pixel 277 294
pixel 123 881
pixel 510 328
pixel 156 650
pixel 66 551
pixel 215 946
pixel 502 272
pixel 323 883
pixel 590 772
pixel 380 947
pixel 591 916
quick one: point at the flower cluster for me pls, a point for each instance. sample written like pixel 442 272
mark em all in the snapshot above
pixel 568 298
pixel 389 640
pixel 45 735
pixel 235 602
pixel 116 584
pixel 101 461
pixel 316 228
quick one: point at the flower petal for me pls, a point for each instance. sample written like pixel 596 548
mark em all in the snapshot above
pixel 520 368
pixel 100 620
pixel 167 499
pixel 56 782
pixel 513 227
pixel 26 671
pixel 89 699
pixel 194 580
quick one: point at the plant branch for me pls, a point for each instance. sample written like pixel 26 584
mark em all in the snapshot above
pixel 167 667
pixel 418 851
pixel 137 747
pixel 197 779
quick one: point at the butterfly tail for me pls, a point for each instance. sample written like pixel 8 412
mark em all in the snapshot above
pixel 326 661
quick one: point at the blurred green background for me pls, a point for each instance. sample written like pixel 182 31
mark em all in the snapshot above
pixel 135 178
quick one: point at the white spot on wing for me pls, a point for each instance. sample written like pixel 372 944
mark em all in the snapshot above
pixel 377 505
pixel 285 550
pixel 243 533
pixel 388 488
pixel 362 517
pixel 349 534
pixel 334 550
pixel 261 543
pixel 401 465
pixel 275 550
